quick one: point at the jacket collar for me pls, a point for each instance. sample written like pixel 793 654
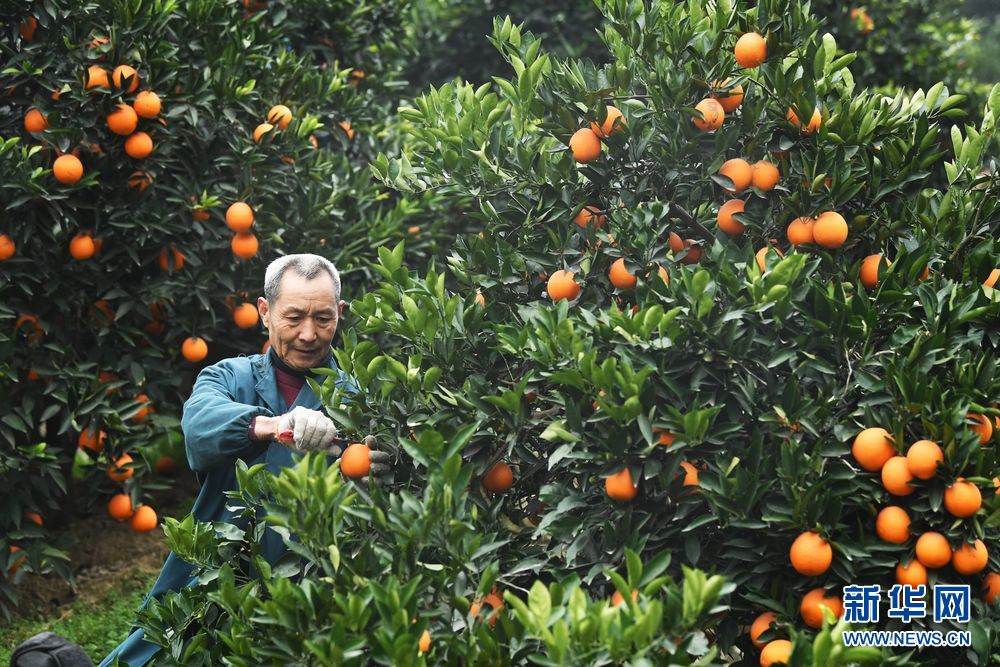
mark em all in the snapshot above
pixel 266 383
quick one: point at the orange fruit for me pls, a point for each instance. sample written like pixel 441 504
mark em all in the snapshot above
pixel 498 478
pixel 120 507
pixel 991 280
pixel 245 315
pixel 933 550
pixel 123 120
pixel 762 256
pixel 139 145
pixel 620 276
pixel 620 487
pixel 984 427
pixel 666 437
pixel 480 299
pixel 67 169
pixel 424 643
pixel 590 214
pixel 962 499
pixel 690 474
pixel 727 222
pixel 739 172
pixel 830 230
pixel 676 244
pixel 612 124
pixel 280 115
pixel 27 28
pixel 118 472
pixel 239 217
pixel 34 517
pixel 144 519
pixel 97 42
pixel 800 230
pixel 89 439
pixel 140 180
pixel 923 457
pixel 147 104
pixel 868 273
pixel 261 130
pixel 194 349
pixel 200 215
pixel 777 651
pixel 34 331
pixel 7 247
pixel 105 315
pixel 562 286
pixel 693 252
pixel 494 600
pixel 896 476
pixel 81 247
pixel 664 276
pixel 761 624
pixel 20 561
pixel 35 121
pixel 970 558
pixel 96 76
pixel 617 598
pixel 893 525
pixel 143 412
pixel 355 77
pixel 585 145
pixel 814 123
pixel 730 100
pixel 356 461
pixel 914 574
pixel 991 586
pixel 164 260
pixel 812 605
pixel 346 127
pixel 750 50
pixel 123 72
pixel 712 115
pixel 765 175
pixel 810 554
pixel 244 245
pixel 872 448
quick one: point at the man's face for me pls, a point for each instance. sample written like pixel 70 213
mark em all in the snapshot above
pixel 303 321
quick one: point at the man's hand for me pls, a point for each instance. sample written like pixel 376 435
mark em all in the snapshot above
pixel 311 430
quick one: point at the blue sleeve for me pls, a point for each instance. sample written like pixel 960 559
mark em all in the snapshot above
pixel 215 424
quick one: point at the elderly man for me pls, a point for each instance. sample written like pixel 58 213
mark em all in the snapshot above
pixel 239 406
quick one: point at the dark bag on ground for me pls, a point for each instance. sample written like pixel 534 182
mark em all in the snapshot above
pixel 48 649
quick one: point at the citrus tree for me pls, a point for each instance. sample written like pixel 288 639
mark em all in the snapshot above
pixel 717 306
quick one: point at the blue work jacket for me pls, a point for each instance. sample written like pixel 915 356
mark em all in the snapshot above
pixel 216 418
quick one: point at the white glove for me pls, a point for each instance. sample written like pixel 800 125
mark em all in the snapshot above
pixel 311 429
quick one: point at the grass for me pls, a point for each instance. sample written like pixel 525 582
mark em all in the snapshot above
pixel 96 625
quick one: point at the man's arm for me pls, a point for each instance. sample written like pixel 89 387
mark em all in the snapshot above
pixel 215 425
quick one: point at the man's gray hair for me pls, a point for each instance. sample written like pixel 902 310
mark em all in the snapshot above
pixel 306 265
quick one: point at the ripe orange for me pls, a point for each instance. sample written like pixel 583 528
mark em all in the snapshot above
pixel 676 244
pixel 800 230
pixel 88 439
pixel 139 145
pixel 962 499
pixel 814 123
pixel 27 28
pixel 96 76
pixel 762 256
pixel 67 169
pixel 712 115
pixel 761 624
pixel 620 276
pixel 612 124
pixel 165 465
pixel 105 315
pixel 896 476
pixel 97 42
pixel 690 474
pixel 35 121
pixel 200 215
pixel 727 222
pixel 34 517
pixel 120 507
pixel 750 50
pixel 424 644
pixel 7 247
pixel 590 214
pixel 617 598
pixel 777 651
pixel 261 130
pixel 562 286
pixel 984 427
pixel 346 127
pixel 739 172
pixel 765 175
pixel 123 120
pixel 893 525
pixel 81 247
pixel 140 180
pixel 34 330
pixel 143 412
pixel 239 217
pixel 810 554
pixel 147 104
pixel 494 600
pixel 585 145
pixel 991 586
pixel 118 472
pixel 280 115
pixel 356 77
pixel 869 271
pixel 664 276
pixel 194 349
pixel 165 263
pixel 812 607
pixel 244 245
pixel 356 461
pixel 480 299
pixel 144 519
pixel 991 280
pixel 830 230
pixel 498 478
pixel 123 72
pixel 730 100
pixel 620 487
pixel 970 558
pixel 693 252
pixel 933 550
pixel 245 315
pixel 914 574
pixel 923 458
pixel 872 448
pixel 666 437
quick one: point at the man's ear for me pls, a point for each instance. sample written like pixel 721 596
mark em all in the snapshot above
pixel 341 312
pixel 263 310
